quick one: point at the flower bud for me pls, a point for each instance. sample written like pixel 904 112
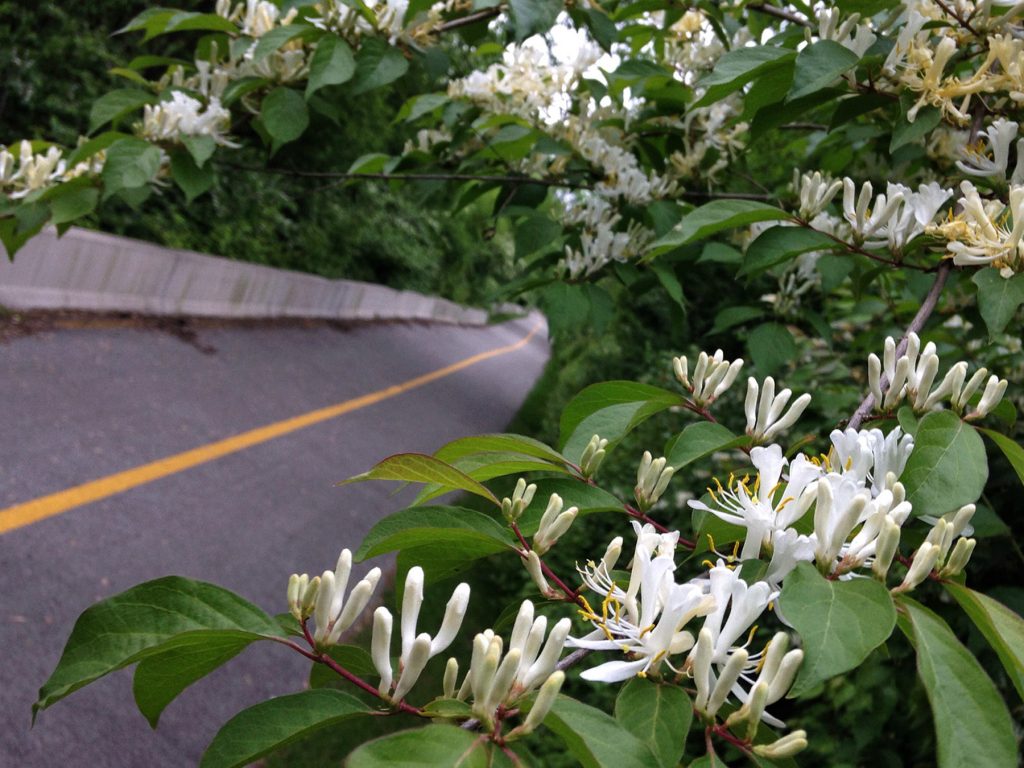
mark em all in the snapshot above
pixel 417 659
pixel 701 668
pixel 548 658
pixel 380 647
pixel 787 746
pixel 451 676
pixel 543 541
pixel 959 558
pixel 503 679
pixel 924 560
pixel 454 613
pixel 412 599
pixel 543 703
pixel 730 674
pixel 611 554
pixel 990 398
pixel 513 508
pixel 875 379
pixel 593 455
pixel 679 367
pixel 533 567
pixel 309 596
pixel 885 547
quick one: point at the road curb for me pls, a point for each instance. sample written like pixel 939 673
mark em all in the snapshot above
pixel 94 271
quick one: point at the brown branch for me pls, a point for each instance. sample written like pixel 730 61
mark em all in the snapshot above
pixel 779 13
pixel 473 18
pixel 916 325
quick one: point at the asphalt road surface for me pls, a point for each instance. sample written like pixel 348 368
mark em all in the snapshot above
pixel 81 405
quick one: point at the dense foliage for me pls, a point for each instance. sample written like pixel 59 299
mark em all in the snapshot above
pixel 831 194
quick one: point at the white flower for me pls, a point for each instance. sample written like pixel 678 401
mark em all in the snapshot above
pixel 182 116
pixel 870 456
pixel 991 160
pixel 652 479
pixel 765 417
pixel 864 222
pixel 816 191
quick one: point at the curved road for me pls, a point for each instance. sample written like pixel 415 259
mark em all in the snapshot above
pixel 128 408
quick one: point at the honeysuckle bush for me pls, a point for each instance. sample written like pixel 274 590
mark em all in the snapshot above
pixel 833 193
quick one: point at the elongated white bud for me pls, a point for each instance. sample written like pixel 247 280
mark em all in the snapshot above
pixel 309 596
pixel 548 658
pixel 296 588
pixel 751 711
pixel 357 601
pixel 875 379
pixel 929 368
pixel 380 647
pixel 924 560
pixel 533 567
pixel 885 547
pixel 701 668
pixel 611 554
pixel 750 404
pixel 342 571
pixel 730 674
pixel 950 386
pixel 503 679
pixel 593 455
pixel 482 675
pixel 542 542
pixel 896 390
pixel 543 703
pixel 451 677
pixel 513 508
pixel 680 367
pixel 787 746
pixel 534 642
pixel 412 599
pixel 417 659
pixel 322 611
pixel 990 398
pixel 787 421
pixel 521 629
pixel 963 398
pixel 959 558
pixel 962 520
pixel 785 675
pixel 454 613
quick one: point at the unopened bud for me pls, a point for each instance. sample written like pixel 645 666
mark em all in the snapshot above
pixel 380 647
pixel 787 746
pixel 533 567
pixel 924 560
pixel 451 676
pixel 959 558
pixel 513 508
pixel 730 674
pixel 309 597
pixel 414 664
pixel 593 455
pixel 611 554
pixel 885 547
pixel 543 703
pixel 542 542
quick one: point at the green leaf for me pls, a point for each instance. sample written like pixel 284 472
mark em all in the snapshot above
pixel 819 65
pixel 185 21
pixel 472 531
pixel 179 663
pixel 658 715
pixel 700 440
pixel 192 179
pixel 532 17
pixel 140 622
pixel 779 244
pixel 131 163
pixel 430 747
pixel 260 730
pixel 94 145
pixel 594 738
pixel 908 133
pixel 466 446
pixel 713 217
pixel 738 67
pixel 377 64
pixel 972 725
pixel 1010 448
pixel 423 104
pixel 448 708
pixel 610 409
pixel 1003 629
pixel 284 115
pixel 733 316
pixel 670 282
pixel 489 465
pixel 771 346
pixel 332 64
pixel 420 468
pixel 947 468
pixel 840 622
pixel 273 39
pixel 998 298
pixel 200 147
pixel 116 104
pixel 73 202
pixel 534 233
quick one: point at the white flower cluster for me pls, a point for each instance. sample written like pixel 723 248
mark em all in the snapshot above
pixel 184 116
pixel 26 172
pixel 911 377
pixel 255 17
pixel 986 232
pixel 896 218
pixel 712 376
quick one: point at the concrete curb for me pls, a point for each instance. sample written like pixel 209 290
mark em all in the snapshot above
pixel 94 271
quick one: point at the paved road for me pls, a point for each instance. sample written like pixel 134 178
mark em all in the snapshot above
pixel 77 405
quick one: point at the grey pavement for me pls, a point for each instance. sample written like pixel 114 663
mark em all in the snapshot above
pixel 76 405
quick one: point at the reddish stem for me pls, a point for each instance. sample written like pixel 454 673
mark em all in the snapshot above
pixel 571 594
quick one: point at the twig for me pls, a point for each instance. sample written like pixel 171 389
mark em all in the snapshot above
pixel 779 13
pixel 473 18
pixel 923 313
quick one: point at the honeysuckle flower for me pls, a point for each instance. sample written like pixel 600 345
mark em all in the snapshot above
pixel 990 156
pixel 913 216
pixel 866 221
pixel 184 116
pixel 979 235
pixel 760 507
pixel 766 412
pixel 35 170
pixel 888 509
pixel 417 649
pixel 665 608
pixel 849 34
pixel 743 602
pixel 870 455
pixel 333 612
pixel 712 376
pixel 789 548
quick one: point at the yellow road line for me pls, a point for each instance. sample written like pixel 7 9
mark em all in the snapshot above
pixel 33 511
